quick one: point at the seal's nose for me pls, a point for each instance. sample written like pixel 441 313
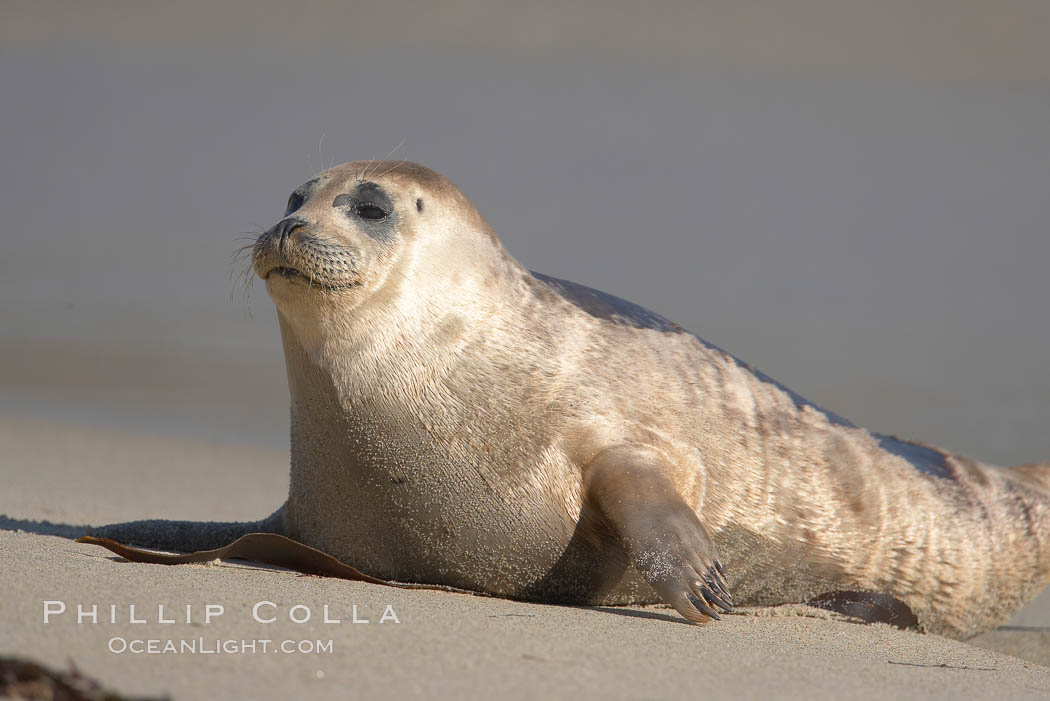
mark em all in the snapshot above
pixel 283 229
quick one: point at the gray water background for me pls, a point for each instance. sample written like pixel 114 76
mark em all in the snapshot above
pixel 853 197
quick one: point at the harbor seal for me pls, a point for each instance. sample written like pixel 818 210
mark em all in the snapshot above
pixel 458 420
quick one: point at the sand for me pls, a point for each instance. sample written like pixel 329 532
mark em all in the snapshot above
pixel 441 645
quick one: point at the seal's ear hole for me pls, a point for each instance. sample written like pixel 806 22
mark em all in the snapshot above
pixel 419 205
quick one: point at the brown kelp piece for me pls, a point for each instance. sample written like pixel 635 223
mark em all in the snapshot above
pixel 21 678
pixel 868 607
pixel 269 549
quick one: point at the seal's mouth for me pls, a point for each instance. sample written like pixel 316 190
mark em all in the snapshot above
pixel 296 275
pixel 305 261
pixel 287 273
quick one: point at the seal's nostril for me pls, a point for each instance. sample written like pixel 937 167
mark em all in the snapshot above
pixel 284 228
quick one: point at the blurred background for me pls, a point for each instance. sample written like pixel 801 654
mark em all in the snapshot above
pixel 853 196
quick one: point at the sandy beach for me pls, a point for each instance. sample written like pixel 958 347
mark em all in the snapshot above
pixel 442 645
pixel 850 197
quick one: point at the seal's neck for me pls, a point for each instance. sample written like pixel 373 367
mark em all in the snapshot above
pixel 406 347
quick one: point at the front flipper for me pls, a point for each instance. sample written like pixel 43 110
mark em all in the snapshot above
pixel 659 533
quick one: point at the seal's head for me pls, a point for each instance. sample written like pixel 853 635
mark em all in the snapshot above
pixel 347 233
pixel 373 258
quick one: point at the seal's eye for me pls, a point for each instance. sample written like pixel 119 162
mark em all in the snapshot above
pixel 370 211
pixel 295 201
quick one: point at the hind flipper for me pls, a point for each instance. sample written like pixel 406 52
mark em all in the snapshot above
pixel 1035 475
